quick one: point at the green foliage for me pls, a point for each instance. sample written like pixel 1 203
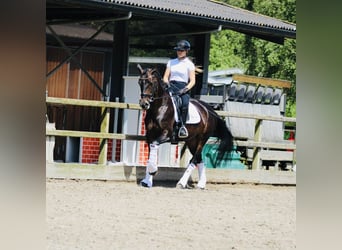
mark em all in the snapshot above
pixel 280 9
pixel 224 51
pixel 291 109
pixel 256 56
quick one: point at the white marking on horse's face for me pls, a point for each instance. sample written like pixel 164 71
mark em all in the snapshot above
pixel 161 112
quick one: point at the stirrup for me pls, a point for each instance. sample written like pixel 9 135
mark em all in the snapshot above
pixel 183 132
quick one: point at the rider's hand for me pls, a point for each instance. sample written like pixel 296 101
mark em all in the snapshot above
pixel 166 85
pixel 183 91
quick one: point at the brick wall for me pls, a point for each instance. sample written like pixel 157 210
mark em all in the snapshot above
pixel 143 147
pixel 118 150
pixel 91 150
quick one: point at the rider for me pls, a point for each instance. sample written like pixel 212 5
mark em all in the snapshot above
pixel 180 74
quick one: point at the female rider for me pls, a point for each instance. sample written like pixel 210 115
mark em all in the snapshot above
pixel 180 76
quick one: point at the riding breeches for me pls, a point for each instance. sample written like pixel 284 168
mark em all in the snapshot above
pixel 176 86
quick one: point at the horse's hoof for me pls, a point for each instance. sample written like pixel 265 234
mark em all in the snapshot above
pixel 143 184
pixel 180 186
pixel 153 173
pixel 200 186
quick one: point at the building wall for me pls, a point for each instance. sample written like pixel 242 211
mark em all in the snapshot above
pixel 91 150
pixel 69 81
pixel 143 147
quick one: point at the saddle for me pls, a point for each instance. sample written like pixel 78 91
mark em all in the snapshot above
pixel 193 117
pixel 193 114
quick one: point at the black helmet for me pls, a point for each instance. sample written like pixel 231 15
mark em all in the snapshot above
pixel 182 45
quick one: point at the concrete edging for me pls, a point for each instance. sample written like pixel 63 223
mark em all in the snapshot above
pixel 123 172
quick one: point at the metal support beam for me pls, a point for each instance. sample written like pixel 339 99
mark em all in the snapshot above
pixel 68 58
pixel 71 55
pixel 120 64
pixel 186 33
pixel 88 20
pixel 201 53
pixel 75 60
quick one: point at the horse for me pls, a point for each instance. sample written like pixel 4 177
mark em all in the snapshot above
pixel 156 100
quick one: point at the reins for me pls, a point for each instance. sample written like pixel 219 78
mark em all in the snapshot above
pixel 151 96
pixel 160 97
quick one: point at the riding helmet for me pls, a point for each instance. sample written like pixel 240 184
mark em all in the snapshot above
pixel 182 45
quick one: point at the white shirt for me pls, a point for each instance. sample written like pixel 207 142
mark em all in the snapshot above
pixel 180 69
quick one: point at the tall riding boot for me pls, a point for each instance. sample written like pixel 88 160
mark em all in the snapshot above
pixel 183 132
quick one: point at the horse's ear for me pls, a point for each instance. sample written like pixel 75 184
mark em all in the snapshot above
pixel 140 69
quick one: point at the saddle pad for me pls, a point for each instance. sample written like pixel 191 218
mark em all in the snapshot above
pixel 193 115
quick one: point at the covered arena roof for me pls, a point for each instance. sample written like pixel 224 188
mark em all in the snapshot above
pixel 206 13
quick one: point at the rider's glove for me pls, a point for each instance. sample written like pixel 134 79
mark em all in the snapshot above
pixel 166 85
pixel 183 91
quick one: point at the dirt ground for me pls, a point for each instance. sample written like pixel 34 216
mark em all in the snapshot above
pixel 122 215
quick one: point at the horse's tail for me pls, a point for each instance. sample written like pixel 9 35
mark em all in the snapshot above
pixel 222 132
pixel 225 136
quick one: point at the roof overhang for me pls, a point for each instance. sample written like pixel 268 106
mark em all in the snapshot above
pixel 201 13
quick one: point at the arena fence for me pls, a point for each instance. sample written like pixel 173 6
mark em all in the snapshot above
pixel 104 134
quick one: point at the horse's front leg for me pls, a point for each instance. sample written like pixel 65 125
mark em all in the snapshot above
pixel 152 162
pixel 152 166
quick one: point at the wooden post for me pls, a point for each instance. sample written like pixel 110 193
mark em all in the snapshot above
pixel 256 164
pixel 104 142
pixel 262 81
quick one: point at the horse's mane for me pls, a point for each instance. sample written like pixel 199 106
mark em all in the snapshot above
pixel 155 72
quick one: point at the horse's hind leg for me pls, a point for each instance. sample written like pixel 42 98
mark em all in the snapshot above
pixel 197 157
pixel 182 183
pixel 202 178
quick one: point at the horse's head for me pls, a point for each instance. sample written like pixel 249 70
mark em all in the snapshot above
pixel 149 83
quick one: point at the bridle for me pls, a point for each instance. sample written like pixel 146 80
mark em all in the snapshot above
pixel 142 82
pixel 149 80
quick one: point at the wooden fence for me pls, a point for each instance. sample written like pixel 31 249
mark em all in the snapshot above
pixel 104 134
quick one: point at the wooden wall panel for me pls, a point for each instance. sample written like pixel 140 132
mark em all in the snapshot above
pixel 74 79
pixel 69 81
pixel 57 82
pixel 94 63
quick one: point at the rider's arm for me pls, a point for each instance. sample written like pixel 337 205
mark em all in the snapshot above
pixel 192 80
pixel 166 75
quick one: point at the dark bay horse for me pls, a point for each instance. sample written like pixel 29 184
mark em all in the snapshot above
pixel 159 123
